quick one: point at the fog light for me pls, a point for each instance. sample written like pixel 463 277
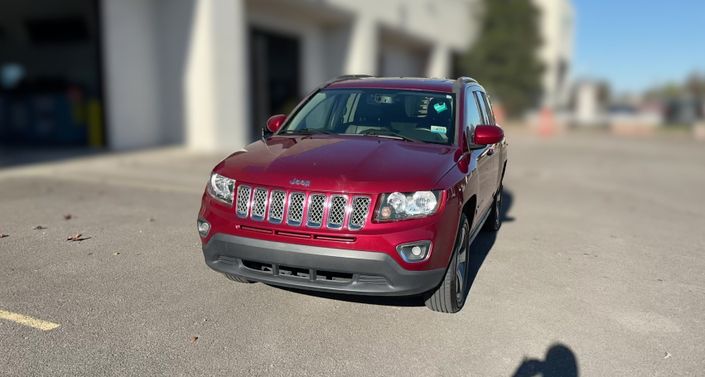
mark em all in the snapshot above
pixel 203 228
pixel 414 251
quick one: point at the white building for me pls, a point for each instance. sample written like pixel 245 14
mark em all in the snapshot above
pixel 557 25
pixel 207 73
pixel 217 69
pixel 590 104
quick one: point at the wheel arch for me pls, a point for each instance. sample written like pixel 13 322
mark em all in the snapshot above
pixel 469 209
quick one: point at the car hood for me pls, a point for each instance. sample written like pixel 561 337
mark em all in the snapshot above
pixel 354 164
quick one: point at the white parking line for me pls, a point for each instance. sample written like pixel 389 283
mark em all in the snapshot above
pixel 28 321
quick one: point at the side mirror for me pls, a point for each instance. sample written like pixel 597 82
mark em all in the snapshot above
pixel 274 123
pixel 487 134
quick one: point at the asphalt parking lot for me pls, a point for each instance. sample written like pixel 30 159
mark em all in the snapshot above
pixel 598 270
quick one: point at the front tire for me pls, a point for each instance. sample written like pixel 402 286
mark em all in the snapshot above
pixel 450 295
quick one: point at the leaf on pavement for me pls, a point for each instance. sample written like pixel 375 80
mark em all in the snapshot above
pixel 68 216
pixel 77 237
pixel 3 235
pixel 194 339
pixel 39 227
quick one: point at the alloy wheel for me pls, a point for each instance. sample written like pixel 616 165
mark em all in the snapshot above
pixel 462 260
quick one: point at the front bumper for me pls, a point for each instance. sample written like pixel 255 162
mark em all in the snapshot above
pixel 316 268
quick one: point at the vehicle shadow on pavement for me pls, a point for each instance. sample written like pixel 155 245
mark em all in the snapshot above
pixel 482 245
pixel 479 250
pixel 559 361
pixel 507 201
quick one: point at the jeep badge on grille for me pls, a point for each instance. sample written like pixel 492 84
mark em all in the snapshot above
pixel 300 182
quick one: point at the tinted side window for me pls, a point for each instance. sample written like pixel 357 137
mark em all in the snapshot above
pixel 488 107
pixel 472 111
pixel 481 104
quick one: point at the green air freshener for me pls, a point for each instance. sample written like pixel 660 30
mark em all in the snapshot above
pixel 440 107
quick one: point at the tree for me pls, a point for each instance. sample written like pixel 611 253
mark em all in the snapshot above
pixel 505 57
pixel 695 85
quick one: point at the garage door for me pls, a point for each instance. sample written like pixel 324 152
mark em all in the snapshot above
pixel 50 78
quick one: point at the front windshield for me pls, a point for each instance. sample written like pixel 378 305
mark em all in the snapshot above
pixel 408 115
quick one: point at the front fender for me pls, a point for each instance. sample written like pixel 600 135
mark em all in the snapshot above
pixel 464 185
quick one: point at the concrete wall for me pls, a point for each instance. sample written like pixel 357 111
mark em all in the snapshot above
pixel 445 26
pixel 447 22
pixel 131 74
pixel 173 36
pixel 217 107
pixel 323 34
pixel 403 55
pixel 169 78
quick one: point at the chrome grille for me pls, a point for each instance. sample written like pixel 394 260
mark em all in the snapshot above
pixel 276 206
pixel 360 208
pixel 314 215
pixel 243 200
pixel 296 208
pixel 315 210
pixel 259 204
pixel 336 212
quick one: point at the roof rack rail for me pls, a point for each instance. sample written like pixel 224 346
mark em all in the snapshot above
pixel 352 77
pixel 466 79
pixel 345 77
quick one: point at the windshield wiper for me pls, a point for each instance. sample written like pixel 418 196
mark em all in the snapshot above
pixel 308 131
pixel 390 134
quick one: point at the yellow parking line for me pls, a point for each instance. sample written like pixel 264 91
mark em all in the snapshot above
pixel 28 321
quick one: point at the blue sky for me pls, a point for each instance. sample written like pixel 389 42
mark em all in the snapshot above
pixel 637 44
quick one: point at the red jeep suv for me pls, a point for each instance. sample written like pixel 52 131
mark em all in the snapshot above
pixel 372 186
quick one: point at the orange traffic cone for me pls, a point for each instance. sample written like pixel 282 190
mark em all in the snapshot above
pixel 499 114
pixel 547 122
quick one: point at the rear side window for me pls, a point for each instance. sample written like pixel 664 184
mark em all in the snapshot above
pixel 481 104
pixel 488 108
pixel 472 109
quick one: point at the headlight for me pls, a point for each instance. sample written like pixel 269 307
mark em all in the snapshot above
pixel 408 205
pixel 221 188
